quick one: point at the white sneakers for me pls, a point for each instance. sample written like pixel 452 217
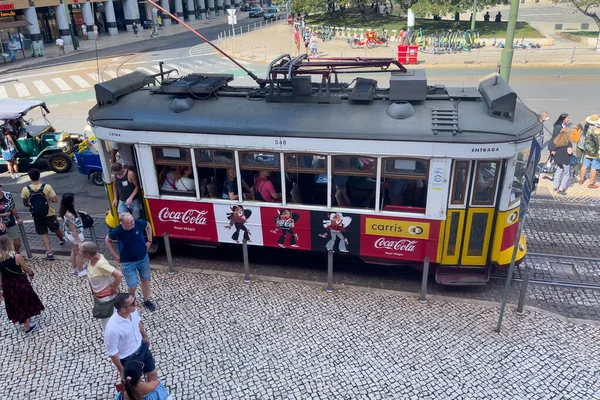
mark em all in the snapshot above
pixel 82 273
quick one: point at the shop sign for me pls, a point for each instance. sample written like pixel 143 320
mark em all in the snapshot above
pixel 4 7
pixel 4 14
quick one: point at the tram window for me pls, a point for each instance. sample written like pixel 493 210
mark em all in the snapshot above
pixel 306 181
pixel 354 181
pixel 174 171
pixel 404 184
pixel 477 235
pixel 516 187
pixel 216 173
pixel 486 175
pixel 261 172
pixel 459 183
pixel 259 160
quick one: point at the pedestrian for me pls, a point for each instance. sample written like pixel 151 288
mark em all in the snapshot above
pixel 125 339
pixel 96 33
pixel 160 21
pixel 38 196
pixel 297 42
pixel 498 17
pixel 561 122
pixel 73 229
pixel 84 31
pixel 9 152
pixel 306 39
pixel 125 190
pixel 60 43
pixel 133 253
pixel 20 300
pixel 562 148
pixel 134 28
pixel 401 35
pixel 486 17
pixel 314 44
pixel 9 216
pixel 12 47
pixel 302 26
pixel 136 388
pixel 591 158
pixel 543 117
pixel 104 281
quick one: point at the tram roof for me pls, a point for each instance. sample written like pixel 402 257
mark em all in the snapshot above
pixel 142 110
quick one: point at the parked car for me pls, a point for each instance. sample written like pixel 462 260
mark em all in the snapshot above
pixel 256 12
pixel 271 14
pixel 147 24
pixel 38 140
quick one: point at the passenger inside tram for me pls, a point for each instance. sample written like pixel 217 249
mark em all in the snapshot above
pixel 166 178
pixel 230 188
pixel 264 188
pixel 184 179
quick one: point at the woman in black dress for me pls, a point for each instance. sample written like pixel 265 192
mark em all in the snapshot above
pixel 19 298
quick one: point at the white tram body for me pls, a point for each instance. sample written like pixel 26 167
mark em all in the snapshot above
pixel 390 175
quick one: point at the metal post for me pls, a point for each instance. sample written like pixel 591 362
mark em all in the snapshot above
pixel 240 50
pixel 251 52
pixel 523 293
pixel 573 54
pixel 248 28
pixel 474 15
pixel 265 52
pixel 478 55
pixel 525 56
pixel 511 271
pixel 255 26
pixel 507 52
pixel 423 296
pixel 169 255
pixel 93 234
pixel 25 241
pixel 246 263
pixel 329 272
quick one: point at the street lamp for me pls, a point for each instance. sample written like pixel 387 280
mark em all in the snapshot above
pixel 73 39
pixel 508 50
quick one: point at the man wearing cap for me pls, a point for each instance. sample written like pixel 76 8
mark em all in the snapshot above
pixel 9 217
pixel 590 160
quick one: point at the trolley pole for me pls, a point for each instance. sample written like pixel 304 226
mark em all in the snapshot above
pixel 507 52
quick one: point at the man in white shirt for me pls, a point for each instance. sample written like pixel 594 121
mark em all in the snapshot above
pixel 60 43
pixel 125 338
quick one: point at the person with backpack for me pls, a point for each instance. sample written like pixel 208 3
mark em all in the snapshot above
pixel 73 228
pixel 38 196
pixel 591 158
pixel 562 148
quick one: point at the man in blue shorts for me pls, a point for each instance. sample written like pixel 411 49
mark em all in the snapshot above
pixel 133 253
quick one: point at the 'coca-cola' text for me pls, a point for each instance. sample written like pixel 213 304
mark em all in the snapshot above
pixel 191 217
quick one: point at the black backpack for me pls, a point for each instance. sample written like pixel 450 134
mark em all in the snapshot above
pixel 38 203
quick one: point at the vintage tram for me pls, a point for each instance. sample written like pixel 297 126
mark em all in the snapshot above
pixel 392 175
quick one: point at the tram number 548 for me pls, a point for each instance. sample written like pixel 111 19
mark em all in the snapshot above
pixel 280 142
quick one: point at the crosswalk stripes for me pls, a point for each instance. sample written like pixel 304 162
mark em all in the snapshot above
pixel 143 69
pixel 112 74
pixel 94 77
pixel 42 87
pixel 62 85
pixel 125 71
pixel 201 49
pixel 21 89
pixel 3 93
pixel 80 81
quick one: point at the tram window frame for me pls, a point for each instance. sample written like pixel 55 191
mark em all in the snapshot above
pixel 464 186
pixel 342 196
pixel 214 164
pixel 353 172
pixel 314 170
pixel 212 174
pixel 424 177
pixel 305 189
pixel 258 167
pixel 523 163
pixel 255 170
pixel 173 163
pixel 492 201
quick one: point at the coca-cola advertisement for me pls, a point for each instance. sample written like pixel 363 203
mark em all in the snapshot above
pixel 338 232
pixel 286 228
pixel 237 223
pixel 401 239
pixel 184 219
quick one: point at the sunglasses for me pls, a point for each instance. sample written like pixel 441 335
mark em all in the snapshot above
pixel 133 303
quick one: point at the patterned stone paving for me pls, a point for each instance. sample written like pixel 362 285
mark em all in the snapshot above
pixel 216 338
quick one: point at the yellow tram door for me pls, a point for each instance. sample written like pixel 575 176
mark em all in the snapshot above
pixel 470 217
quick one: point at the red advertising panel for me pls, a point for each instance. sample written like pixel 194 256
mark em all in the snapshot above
pixel 184 219
pixel 286 227
pixel 401 239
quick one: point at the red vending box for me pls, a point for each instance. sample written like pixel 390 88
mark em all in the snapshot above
pixel 403 53
pixel 413 53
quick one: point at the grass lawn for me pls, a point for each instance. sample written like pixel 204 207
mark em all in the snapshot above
pixel 352 19
pixel 590 34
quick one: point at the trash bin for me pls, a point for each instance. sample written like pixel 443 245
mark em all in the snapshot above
pixel 403 53
pixel 413 53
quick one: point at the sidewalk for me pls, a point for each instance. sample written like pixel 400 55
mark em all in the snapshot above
pixel 214 337
pixel 105 41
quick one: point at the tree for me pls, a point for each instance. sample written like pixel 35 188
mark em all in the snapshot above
pixel 586 8
pixel 427 8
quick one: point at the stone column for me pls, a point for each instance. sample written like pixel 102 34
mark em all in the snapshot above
pixel 34 28
pixel 111 20
pixel 179 9
pixel 190 12
pixel 128 13
pixel 237 4
pixel 219 7
pixel 202 9
pixel 62 22
pixel 88 18
pixel 166 19
pixel 210 4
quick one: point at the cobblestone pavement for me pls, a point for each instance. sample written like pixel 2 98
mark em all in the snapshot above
pixel 214 337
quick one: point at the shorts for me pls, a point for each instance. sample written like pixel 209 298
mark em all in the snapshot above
pixel 6 155
pixel 144 356
pixel 71 238
pixel 135 209
pixel 13 231
pixel 132 268
pixel 591 162
pixel 43 224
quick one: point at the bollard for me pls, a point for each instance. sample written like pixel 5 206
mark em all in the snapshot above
pixel 251 52
pixel 25 241
pixel 523 293
pixel 329 272
pixel 433 56
pixel 423 296
pixel 525 56
pixel 169 255
pixel 93 234
pixel 248 28
pixel 265 52
pixel 573 54
pixel 246 263
pixel 255 26
pixel 240 50
pixel 478 55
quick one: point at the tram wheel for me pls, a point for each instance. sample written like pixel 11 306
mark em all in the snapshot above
pixel 59 162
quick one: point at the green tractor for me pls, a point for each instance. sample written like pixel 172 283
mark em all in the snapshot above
pixel 36 139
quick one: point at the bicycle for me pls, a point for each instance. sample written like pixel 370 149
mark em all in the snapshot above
pixel 371 42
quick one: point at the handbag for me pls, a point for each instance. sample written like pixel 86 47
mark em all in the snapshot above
pixel 103 309
pixel 86 220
